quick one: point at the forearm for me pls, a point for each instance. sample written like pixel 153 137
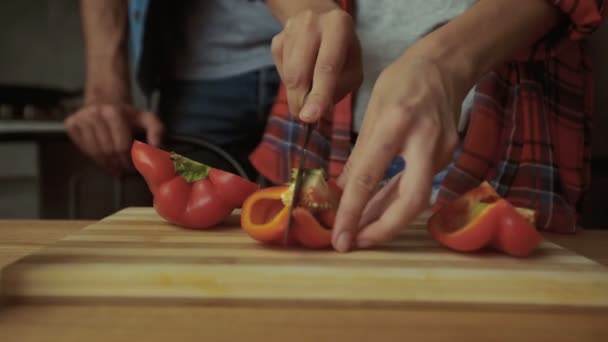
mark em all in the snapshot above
pixel 487 34
pixel 105 26
pixel 285 9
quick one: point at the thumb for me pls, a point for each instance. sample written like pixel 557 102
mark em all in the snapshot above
pixel 314 106
pixel 152 125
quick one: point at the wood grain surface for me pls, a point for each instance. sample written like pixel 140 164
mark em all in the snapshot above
pixel 21 237
pixel 136 257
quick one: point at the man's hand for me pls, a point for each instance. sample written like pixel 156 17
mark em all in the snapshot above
pixel 319 60
pixel 105 133
pixel 103 128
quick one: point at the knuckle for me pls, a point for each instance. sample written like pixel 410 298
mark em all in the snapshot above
pixel 88 114
pixel 429 125
pixel 294 80
pixel 93 108
pixel 365 182
pixel 340 16
pixel 402 112
pixel 327 67
pixel 108 111
pixel 307 18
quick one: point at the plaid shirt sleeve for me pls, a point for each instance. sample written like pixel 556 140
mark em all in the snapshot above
pixel 278 152
pixel 529 130
pixel 584 16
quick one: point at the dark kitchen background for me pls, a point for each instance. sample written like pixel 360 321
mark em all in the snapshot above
pixel 41 78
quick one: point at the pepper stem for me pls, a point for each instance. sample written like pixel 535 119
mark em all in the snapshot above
pixel 190 170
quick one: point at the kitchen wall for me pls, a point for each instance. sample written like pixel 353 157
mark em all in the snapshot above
pixel 41 44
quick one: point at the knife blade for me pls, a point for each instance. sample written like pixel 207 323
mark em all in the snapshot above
pixel 297 183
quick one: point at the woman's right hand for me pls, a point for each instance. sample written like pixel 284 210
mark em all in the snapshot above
pixel 318 57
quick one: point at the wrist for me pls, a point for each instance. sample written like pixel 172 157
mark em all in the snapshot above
pixel 455 63
pixel 485 35
pixel 285 9
pixel 107 91
pixel 107 82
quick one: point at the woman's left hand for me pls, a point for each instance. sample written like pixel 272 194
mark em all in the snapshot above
pixel 412 113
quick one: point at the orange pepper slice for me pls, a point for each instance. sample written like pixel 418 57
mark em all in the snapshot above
pixel 265 213
pixel 482 219
pixel 263 216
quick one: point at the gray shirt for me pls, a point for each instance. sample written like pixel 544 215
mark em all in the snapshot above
pixel 386 28
pixel 221 38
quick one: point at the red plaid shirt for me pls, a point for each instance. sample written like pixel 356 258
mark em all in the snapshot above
pixel 528 135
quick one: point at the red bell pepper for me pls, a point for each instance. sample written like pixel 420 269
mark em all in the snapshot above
pixel 188 193
pixel 480 219
pixel 265 213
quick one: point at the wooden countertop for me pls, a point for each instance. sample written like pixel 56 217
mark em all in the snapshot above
pixel 112 322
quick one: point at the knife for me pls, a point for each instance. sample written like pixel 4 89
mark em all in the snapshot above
pixel 297 183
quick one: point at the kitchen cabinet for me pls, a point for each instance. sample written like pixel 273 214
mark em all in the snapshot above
pixel 71 186
pixel 47 177
pixel 19 190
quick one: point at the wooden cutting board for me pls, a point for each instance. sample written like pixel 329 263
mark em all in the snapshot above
pixel 134 255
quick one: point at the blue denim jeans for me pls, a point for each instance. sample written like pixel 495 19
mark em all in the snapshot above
pixel 230 113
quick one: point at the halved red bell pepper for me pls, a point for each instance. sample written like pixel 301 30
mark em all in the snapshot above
pixel 265 213
pixel 482 219
pixel 188 193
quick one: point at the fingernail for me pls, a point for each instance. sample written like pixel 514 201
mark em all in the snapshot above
pixel 363 243
pixel 343 243
pixel 310 111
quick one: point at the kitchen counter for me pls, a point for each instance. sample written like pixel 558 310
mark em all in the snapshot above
pixel 258 322
pixel 31 130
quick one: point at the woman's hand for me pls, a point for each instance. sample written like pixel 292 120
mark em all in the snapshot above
pixel 319 60
pixel 412 113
